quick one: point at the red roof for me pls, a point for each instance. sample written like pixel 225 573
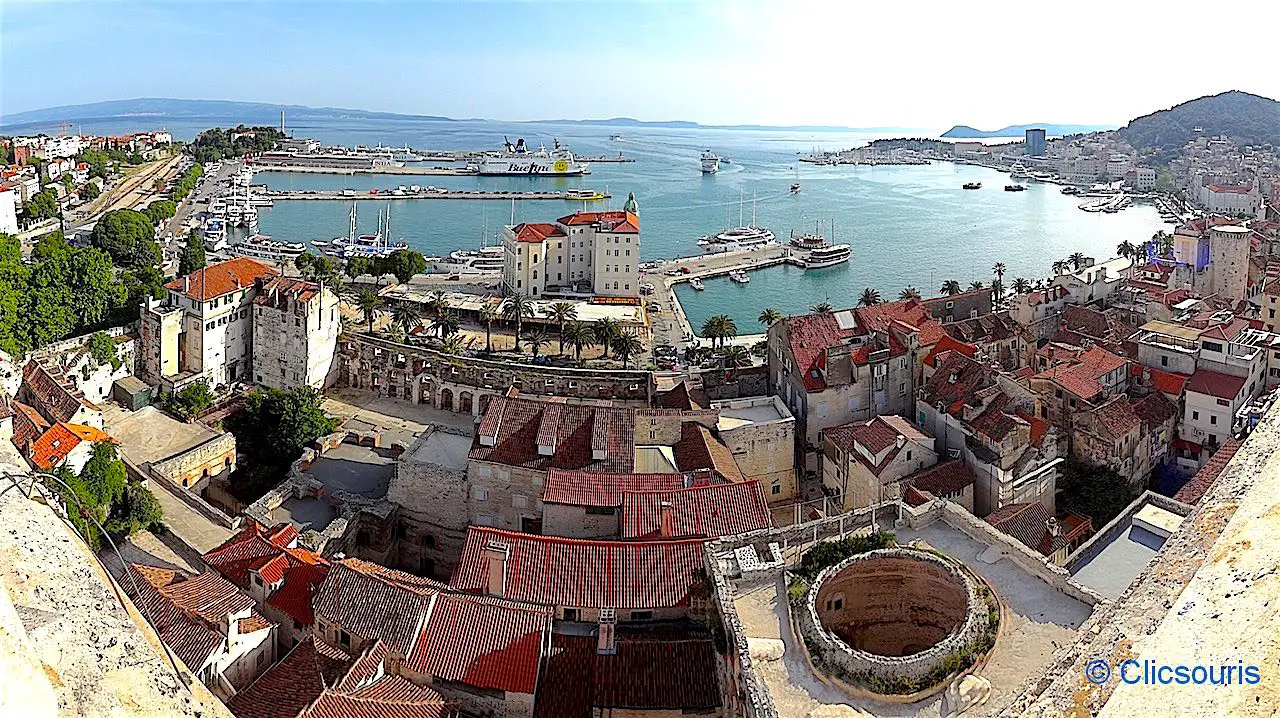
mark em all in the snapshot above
pixel 584 574
pixel 222 278
pixel 52 447
pixel 28 425
pixel 1081 376
pixel 948 477
pixel 54 398
pixel 483 642
pixel 911 314
pixel 267 551
pixel 1028 523
pixel 299 290
pixel 809 336
pixel 1199 485
pixel 615 221
pixel 1230 188
pixel 599 488
pixel 955 382
pixel 946 344
pixel 579 433
pixel 536 231
pixel 1168 383
pixel 1117 416
pixel 1212 383
pixel 698 449
pixel 707 511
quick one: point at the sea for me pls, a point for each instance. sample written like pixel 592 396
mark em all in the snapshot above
pixel 909 225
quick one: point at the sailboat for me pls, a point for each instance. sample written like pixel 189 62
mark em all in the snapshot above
pixel 795 188
pixel 742 237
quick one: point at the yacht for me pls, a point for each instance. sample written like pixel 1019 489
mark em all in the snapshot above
pixel 828 256
pixel 1015 187
pixel 740 238
pixel 696 284
pixel 377 244
pixel 807 241
pixel 972 185
pixel 260 246
pixel 615 138
pixel 710 162
pixel 1018 171
pixel 739 276
pixel 465 261
pixel 517 159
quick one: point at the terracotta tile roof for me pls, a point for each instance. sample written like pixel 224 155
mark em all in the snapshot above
pixel 1116 415
pixel 1081 376
pixel 483 642
pixel 648 673
pixel 1228 188
pixel 1212 383
pixel 1028 523
pixel 706 511
pixel 699 449
pixel 948 344
pixel 1087 321
pixel 222 278
pixel 1039 427
pixel 28 425
pixel 514 425
pixel 914 497
pixel 297 290
pixel 287 688
pixel 809 336
pixel 1226 331
pixel 536 232
pixel 584 574
pixel 1199 485
pixel 876 435
pixel 948 477
pixel 681 396
pixel 1169 383
pixel 615 221
pixel 986 328
pixel 954 383
pixel 372 605
pixel 998 420
pixel 271 553
pixel 53 446
pixel 910 314
pixel 598 488
pixel 55 399
pixel 1155 409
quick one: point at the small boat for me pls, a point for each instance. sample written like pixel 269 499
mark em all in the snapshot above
pixel 795 188
pixel 696 284
pixel 1015 188
pixel 1069 189
pixel 615 138
pixel 739 276
pixel 583 195
pixel 972 185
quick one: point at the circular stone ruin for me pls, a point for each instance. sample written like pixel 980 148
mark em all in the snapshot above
pixel 891 616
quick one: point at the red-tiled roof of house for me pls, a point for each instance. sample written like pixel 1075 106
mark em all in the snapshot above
pixel 954 383
pixel 584 574
pixel 286 689
pixel 1168 383
pixel 993 327
pixel 616 221
pixel 910 313
pixel 914 497
pixel 877 434
pixel 707 511
pixel 1028 523
pixel 54 398
pixel 1199 485
pixel 598 488
pixel 809 336
pixel 1117 416
pixel 1216 384
pixel 1039 427
pixel 536 232
pixel 948 344
pixel 514 426
pixel 222 278
pixel 1087 321
pixel 268 551
pixel 372 605
pixel 998 420
pixel 53 446
pixel 1155 409
pixel 1082 375
pixel 28 425
pixel 1226 331
pixel 1228 188
pixel 298 290
pixel 948 477
pixel 698 449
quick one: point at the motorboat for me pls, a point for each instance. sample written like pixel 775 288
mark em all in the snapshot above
pixel 739 276
pixel 737 239
pixel 971 185
pixel 483 260
pixel 260 246
pixel 696 284
pixel 795 188
pixel 1015 188
pixel 583 195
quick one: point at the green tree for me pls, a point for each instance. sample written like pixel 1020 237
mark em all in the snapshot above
pixel 489 313
pixel 42 205
pixel 536 338
pixel 446 324
pixel 271 432
pixel 193 255
pixel 97 161
pixel 735 357
pixel 1021 285
pixel 1077 260
pixel 90 191
pixel 820 308
pixel 1060 266
pixel 950 287
pixel 516 307
pixel 405 316
pixel 869 298
pixel 102 349
pixel 909 293
pixel 160 210
pixel 1096 492
pixel 769 316
pixel 359 266
pixel 562 313
pixel 404 263
pixel 719 329
pixel 127 236
pixel 605 330
pixel 627 345
pixel 102 480
pixel 192 401
pixel 999 269
pixel 137 511
pixel 369 304
pixel 976 284
pixel 578 335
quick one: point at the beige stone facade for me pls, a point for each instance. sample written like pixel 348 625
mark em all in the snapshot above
pixel 295 334
pixel 761 433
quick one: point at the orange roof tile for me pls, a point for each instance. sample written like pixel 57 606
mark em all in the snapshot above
pixel 536 231
pixel 221 278
pixel 52 447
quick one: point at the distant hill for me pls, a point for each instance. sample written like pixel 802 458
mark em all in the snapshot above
pixel 1250 118
pixel 163 107
pixel 262 113
pixel 962 132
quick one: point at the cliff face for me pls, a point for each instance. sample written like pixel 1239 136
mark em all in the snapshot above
pixel 68 646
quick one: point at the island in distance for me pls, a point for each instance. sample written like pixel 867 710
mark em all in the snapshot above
pixel 967 132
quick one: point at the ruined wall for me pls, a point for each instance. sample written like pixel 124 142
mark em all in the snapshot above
pixel 576 522
pixel 433 513
pixel 191 466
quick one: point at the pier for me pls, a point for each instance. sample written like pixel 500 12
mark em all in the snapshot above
pixel 427 193
pixel 382 170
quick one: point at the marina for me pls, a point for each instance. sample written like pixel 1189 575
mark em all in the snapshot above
pixel 573 195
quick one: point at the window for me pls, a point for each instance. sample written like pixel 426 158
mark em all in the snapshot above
pixel 1164 360
pixel 297 625
pixel 257 580
pixel 344 638
pixel 1211 347
pixel 908 454
pixel 573 614
pixel 642 615
pixel 519 501
pixel 600 511
pixel 479 493
pixel 1213 418
pixel 1195 416
pixel 776 489
pixel 261 656
pixel 1057 393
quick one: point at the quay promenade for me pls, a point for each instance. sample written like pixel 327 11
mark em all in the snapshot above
pixel 388 170
pixel 426 194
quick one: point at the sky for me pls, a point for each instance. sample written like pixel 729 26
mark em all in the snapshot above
pixel 854 63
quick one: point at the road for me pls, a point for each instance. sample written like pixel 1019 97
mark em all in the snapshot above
pixel 198 200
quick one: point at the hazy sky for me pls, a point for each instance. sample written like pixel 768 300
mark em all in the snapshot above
pixel 856 63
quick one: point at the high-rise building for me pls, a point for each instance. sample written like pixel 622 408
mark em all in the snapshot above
pixel 1035 142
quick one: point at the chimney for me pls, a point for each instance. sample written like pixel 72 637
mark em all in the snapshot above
pixel 496 554
pixel 605 642
pixel 1052 525
pixel 666 520
pixel 901 441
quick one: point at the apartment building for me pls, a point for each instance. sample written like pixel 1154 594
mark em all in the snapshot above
pixel 582 253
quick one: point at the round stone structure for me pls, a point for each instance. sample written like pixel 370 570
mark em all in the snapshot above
pixel 891 614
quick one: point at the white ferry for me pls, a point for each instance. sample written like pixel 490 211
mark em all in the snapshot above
pixel 710 162
pixel 517 159
pixel 738 239
pixel 828 256
pixel 260 246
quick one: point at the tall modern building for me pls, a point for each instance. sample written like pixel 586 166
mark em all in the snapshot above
pixel 1035 142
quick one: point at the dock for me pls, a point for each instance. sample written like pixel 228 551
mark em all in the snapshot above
pixel 428 193
pixel 386 170
pixel 605 159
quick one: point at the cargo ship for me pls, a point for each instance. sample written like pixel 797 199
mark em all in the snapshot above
pixel 517 159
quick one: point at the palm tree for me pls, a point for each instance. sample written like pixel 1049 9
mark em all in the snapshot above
pixel 1060 266
pixel 1021 285
pixel 578 335
pixel 820 308
pixel 999 269
pixel 976 284
pixel 1077 260
pixel 719 328
pixel 870 297
pixel 489 314
pixel 1038 285
pixel 561 313
pixel 368 302
pixel 517 307
pixel 769 317
pixel 735 357
pixel 435 304
pixel 627 345
pixel 445 324
pixel 950 287
pixel 997 288
pixel 452 345
pixel 908 293
pixel 537 339
pixel 405 316
pixel 1166 243
pixel 605 331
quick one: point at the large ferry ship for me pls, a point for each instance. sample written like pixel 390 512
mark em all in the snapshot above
pixel 710 162
pixel 517 159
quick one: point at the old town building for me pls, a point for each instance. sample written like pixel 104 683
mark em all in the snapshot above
pixel 584 253
pixel 295 334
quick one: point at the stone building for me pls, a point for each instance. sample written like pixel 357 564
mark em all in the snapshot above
pixel 864 463
pixel 202 328
pixel 582 253
pixel 430 487
pixel 761 434
pixel 295 334
pixel 1128 437
pixel 1229 248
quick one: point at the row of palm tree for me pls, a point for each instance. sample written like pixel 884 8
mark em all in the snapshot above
pixel 719 329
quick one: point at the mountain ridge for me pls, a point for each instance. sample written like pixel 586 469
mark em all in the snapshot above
pixel 1051 129
pixel 1242 115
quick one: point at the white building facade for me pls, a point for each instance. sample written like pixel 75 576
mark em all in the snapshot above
pixel 583 253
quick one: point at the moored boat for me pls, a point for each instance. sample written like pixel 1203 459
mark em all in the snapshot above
pixel 710 162
pixel 971 185
pixel 260 246
pixel 696 284
pixel 828 256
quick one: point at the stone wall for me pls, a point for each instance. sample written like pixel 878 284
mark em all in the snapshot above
pixel 433 512
pixel 574 522
pixel 204 460
pixel 719 384
pixel 830 652
pixel 466 384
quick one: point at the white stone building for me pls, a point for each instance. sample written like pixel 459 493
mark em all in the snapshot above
pixel 1230 200
pixel 585 252
pixel 295 333
pixel 8 209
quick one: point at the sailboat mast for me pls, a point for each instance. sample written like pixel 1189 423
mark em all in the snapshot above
pixel 739 208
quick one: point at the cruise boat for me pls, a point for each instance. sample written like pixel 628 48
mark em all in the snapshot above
pixel 828 256
pixel 739 276
pixel 517 159
pixel 972 185
pixel 696 284
pixel 737 239
pixel 353 245
pixel 807 241
pixel 260 246
pixel 1018 171
pixel 470 261
pixel 583 195
pixel 1015 188
pixel 710 162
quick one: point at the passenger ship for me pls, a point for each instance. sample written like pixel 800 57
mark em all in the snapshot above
pixel 828 256
pixel 518 160
pixel 710 162
pixel 260 246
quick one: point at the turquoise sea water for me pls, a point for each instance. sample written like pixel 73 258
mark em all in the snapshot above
pixel 909 225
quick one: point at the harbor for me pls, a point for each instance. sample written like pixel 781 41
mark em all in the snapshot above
pixel 435 193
